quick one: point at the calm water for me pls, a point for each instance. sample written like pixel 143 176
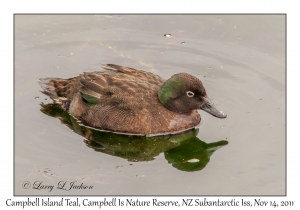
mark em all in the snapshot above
pixel 241 62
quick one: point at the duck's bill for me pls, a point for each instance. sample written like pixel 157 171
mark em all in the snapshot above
pixel 209 107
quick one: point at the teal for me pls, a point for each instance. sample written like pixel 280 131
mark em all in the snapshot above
pixel 126 100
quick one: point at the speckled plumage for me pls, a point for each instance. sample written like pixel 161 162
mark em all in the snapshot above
pixel 122 99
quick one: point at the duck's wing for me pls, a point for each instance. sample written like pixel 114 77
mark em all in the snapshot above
pixel 63 91
pixel 115 100
pixel 140 74
pixel 116 88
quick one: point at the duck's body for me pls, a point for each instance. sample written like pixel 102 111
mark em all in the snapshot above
pixel 126 100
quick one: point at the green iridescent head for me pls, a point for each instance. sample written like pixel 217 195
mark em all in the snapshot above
pixel 183 93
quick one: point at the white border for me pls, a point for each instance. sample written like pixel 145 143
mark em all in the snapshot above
pixel 8 8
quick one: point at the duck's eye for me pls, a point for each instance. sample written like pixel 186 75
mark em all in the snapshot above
pixel 190 94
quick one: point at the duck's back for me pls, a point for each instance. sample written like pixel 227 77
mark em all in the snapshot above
pixel 118 99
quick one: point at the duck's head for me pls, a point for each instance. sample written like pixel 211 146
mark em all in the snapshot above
pixel 183 93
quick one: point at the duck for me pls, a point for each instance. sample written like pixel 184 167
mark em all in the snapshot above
pixel 129 101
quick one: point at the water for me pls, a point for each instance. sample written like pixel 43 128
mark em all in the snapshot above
pixel 240 60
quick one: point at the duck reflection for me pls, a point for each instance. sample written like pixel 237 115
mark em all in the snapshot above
pixel 184 151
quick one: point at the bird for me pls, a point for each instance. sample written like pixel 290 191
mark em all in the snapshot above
pixel 130 101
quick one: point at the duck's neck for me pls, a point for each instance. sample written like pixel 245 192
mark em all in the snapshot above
pixel 168 92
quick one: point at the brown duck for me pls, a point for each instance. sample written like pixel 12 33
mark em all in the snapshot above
pixel 131 101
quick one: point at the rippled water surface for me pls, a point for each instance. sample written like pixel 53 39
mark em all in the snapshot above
pixel 239 58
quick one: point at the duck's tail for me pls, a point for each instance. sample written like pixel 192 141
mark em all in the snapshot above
pixel 57 89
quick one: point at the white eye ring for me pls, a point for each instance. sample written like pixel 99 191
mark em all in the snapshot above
pixel 190 94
